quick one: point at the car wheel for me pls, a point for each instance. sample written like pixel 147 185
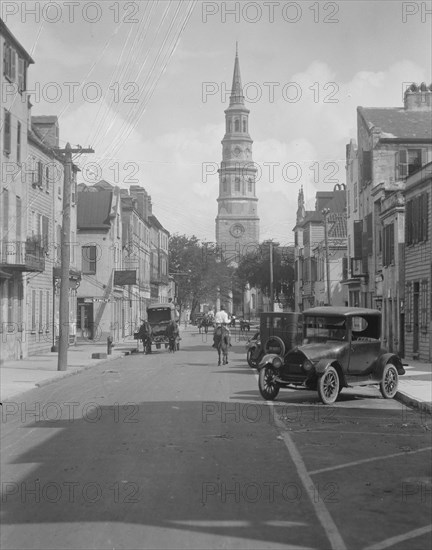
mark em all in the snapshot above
pixel 250 358
pixel 267 385
pixel 272 342
pixel 328 386
pixel 389 382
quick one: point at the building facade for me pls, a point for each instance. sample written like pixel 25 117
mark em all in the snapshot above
pixel 237 221
pixel 392 143
pixel 320 268
pixel 18 256
pixel 100 301
pixel 417 310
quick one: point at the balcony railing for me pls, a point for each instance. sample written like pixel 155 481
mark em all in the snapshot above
pixel 26 255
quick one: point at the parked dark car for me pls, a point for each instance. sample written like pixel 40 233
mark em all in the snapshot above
pixel 254 351
pixel 341 348
pixel 279 332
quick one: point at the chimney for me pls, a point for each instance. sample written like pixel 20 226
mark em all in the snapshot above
pixel 48 129
pixel 418 98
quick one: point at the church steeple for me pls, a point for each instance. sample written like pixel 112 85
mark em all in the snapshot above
pixel 236 97
pixel 237 222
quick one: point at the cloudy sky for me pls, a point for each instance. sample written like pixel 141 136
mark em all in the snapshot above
pixel 145 83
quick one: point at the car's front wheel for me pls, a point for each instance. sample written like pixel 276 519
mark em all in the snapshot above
pixel 389 381
pixel 267 384
pixel 328 386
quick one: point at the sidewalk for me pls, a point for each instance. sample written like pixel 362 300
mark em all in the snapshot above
pixel 415 386
pixel 39 370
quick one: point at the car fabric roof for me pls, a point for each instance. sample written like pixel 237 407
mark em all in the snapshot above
pixel 341 310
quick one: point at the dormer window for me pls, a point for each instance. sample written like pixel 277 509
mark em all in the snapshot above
pixel 408 161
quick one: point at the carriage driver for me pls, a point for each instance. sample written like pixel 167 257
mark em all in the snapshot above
pixel 221 318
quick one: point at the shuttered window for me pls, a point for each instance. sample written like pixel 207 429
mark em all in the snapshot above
pixel 417 219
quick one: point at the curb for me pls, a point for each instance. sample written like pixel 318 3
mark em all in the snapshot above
pixel 82 368
pixel 413 402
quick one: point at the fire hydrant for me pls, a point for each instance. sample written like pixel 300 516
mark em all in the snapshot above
pixel 109 344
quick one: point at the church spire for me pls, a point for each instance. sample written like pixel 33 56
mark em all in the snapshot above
pixel 236 96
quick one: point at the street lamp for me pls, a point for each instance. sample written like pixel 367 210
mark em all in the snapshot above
pixel 325 212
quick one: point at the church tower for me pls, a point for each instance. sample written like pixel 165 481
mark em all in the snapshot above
pixel 237 222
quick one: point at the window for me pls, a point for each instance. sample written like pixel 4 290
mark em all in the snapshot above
pixel 5 212
pixel 7 132
pixel 40 310
pixel 424 306
pixel 388 252
pixel 355 197
pixel 9 61
pixel 224 185
pixel 366 167
pixel 20 298
pixel 250 185
pixel 22 84
pixel 236 125
pixel 416 221
pixel 244 125
pixel 47 178
pixel 408 161
pixel 47 312
pixel 33 311
pixel 408 307
pixel 89 260
pixel 237 184
pixel 18 151
pixel 10 302
pixel 38 176
pixel 18 218
pixel 45 232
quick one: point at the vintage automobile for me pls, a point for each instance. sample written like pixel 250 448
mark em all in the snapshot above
pixel 341 348
pixel 278 333
pixel 254 350
pixel 161 316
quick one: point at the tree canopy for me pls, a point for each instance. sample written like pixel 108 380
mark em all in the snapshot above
pixel 197 271
pixel 254 268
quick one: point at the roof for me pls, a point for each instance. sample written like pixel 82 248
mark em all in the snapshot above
pixel 94 210
pixel 398 123
pixel 4 30
pixel 44 119
pixel 341 310
pixel 335 201
pixel 169 305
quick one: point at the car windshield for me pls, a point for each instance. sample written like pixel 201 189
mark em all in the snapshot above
pixel 319 329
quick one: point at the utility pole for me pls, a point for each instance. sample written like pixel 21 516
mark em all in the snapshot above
pixel 325 213
pixel 65 256
pixel 271 276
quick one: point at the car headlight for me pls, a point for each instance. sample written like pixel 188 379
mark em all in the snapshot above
pixel 307 365
pixel 277 362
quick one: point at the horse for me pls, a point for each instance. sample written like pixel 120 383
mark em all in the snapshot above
pixel 221 343
pixel 144 334
pixel 205 323
pixel 172 333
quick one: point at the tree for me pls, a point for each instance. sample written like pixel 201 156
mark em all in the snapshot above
pixel 197 271
pixel 254 268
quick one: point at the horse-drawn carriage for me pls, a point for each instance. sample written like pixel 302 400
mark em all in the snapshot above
pixel 160 328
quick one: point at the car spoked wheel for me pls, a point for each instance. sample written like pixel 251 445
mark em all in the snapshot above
pixel 328 386
pixel 389 382
pixel 267 384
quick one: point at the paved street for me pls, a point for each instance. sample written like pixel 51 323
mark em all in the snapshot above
pixel 171 451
